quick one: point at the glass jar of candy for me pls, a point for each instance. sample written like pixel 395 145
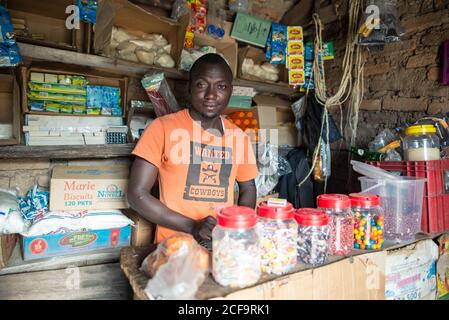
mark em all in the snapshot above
pixel 235 248
pixel 313 236
pixel 278 232
pixel 368 221
pixel 341 222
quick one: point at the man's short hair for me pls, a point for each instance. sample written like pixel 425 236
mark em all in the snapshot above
pixel 209 58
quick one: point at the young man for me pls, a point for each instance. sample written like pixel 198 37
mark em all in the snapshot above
pixel 197 155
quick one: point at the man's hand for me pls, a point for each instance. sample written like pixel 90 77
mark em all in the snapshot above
pixel 202 230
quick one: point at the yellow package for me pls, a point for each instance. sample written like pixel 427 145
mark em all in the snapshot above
pixel 295 48
pixel 296 62
pixel 295 33
pixel 57 88
pixel 296 77
pixel 41 95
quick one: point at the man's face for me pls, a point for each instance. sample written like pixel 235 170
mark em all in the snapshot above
pixel 210 89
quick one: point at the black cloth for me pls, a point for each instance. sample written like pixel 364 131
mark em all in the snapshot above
pixel 303 196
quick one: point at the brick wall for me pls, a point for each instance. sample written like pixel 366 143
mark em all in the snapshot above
pixel 402 80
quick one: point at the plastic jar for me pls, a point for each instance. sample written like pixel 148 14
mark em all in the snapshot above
pixel 368 221
pixel 235 248
pixel 313 236
pixel 341 222
pixel 421 143
pixel 278 233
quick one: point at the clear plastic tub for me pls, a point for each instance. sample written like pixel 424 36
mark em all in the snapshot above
pixel 401 201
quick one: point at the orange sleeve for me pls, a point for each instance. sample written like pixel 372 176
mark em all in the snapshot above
pixel 248 170
pixel 151 144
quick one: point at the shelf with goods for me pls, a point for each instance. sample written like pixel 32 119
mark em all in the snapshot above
pixel 39 53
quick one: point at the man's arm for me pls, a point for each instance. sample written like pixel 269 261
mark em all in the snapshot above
pixel 142 178
pixel 247 194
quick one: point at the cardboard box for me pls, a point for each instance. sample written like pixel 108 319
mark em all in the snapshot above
pixel 39 247
pixel 89 188
pixel 136 20
pixel 358 278
pixel 93 77
pixel 10 108
pixel 7 245
pixel 227 46
pixel 443 268
pixel 143 231
pixel 48 18
pixel 410 271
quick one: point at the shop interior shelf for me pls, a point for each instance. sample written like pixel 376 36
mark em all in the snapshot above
pixel 36 53
pixel 66 152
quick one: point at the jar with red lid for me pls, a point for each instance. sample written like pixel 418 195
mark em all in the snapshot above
pixel 341 222
pixel 368 221
pixel 235 248
pixel 313 236
pixel 278 233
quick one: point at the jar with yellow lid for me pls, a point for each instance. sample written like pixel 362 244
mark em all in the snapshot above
pixel 421 143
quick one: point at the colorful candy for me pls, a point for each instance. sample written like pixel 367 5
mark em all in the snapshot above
pixel 278 246
pixel 278 233
pixel 313 236
pixel 368 221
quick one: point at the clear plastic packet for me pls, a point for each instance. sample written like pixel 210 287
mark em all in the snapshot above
pixel 380 23
pixel 160 94
pixel 177 268
pixel 271 167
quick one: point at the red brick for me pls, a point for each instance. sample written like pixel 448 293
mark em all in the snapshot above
pixel 371 105
pixel 433 74
pixel 421 23
pixel 373 69
pixel 436 107
pixel 421 60
pixel 404 104
pixel 406 45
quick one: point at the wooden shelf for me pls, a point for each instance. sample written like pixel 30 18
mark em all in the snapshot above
pixel 66 152
pixel 117 66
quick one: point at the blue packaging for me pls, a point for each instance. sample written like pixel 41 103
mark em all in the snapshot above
pixel 278 43
pixel 309 51
pixel 9 51
pixel 88 10
pixel 104 97
pixel 38 247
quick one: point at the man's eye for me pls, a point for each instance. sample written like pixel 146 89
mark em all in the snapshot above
pixel 200 84
pixel 222 86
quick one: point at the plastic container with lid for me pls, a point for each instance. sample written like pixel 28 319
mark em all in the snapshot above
pixel 313 236
pixel 421 143
pixel 278 232
pixel 235 248
pixel 341 222
pixel 368 221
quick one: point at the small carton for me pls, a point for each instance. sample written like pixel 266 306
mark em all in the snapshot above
pixel 7 245
pixel 89 188
pixel 38 247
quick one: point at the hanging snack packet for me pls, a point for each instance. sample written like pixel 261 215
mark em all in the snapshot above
pixel 160 94
pixel 278 43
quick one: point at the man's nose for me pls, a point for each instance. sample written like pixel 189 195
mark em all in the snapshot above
pixel 211 93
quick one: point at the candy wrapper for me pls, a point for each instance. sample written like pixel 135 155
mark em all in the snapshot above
pixel 278 43
pixel 160 94
pixel 34 205
pixel 177 268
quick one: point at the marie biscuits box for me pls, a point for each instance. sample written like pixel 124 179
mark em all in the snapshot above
pixel 89 188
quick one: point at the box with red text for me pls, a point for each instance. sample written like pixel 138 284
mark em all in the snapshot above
pixel 89 188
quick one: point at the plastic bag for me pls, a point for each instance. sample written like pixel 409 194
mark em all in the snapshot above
pixel 177 268
pixel 238 5
pixel 34 205
pixel 88 10
pixel 11 220
pixel 180 8
pixel 381 140
pixel 9 51
pixel 380 23
pixel 271 167
pixel 216 19
pixel 160 94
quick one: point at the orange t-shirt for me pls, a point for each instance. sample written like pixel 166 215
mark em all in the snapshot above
pixel 197 170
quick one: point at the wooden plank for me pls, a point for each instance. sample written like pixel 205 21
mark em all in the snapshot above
pixel 98 62
pixel 66 152
pixel 38 53
pixel 17 265
pixel 96 282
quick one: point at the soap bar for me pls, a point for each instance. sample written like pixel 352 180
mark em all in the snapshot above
pixel 51 78
pixel 37 77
